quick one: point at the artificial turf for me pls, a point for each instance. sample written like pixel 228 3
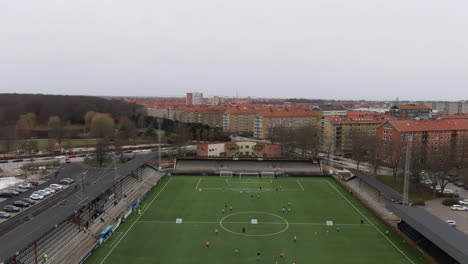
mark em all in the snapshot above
pixel 154 236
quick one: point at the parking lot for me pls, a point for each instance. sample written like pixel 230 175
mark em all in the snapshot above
pixel 436 208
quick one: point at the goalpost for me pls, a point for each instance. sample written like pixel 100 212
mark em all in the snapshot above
pixel 228 174
pixel 248 175
pixel 268 174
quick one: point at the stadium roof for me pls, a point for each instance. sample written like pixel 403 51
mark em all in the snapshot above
pixel 34 229
pixel 381 187
pixel 447 238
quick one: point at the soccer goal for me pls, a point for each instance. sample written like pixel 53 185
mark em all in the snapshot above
pixel 248 175
pixel 268 174
pixel 226 174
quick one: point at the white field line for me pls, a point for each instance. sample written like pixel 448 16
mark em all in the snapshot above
pixel 196 187
pixel 259 223
pixel 250 189
pixel 130 228
pixel 346 199
pixel 247 181
pixel 118 234
pixel 302 187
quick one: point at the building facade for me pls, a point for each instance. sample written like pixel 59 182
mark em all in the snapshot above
pixel 447 137
pixel 237 120
pixel 266 121
pixel 409 112
pixel 239 149
pixel 194 98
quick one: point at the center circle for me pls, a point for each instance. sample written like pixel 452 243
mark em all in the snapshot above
pixel 284 222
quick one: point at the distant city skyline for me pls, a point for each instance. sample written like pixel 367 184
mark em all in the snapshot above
pixel 325 49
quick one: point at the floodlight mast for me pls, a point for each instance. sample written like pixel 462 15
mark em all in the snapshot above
pixel 159 144
pixel 408 139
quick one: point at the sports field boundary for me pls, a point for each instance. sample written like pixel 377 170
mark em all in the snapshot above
pixel 390 226
pixel 367 219
pixel 136 220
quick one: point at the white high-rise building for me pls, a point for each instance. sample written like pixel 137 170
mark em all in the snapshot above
pixel 194 99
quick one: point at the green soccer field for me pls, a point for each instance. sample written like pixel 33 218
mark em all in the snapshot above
pixel 154 236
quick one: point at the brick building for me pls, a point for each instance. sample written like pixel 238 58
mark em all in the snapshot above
pixel 427 136
pixel 240 120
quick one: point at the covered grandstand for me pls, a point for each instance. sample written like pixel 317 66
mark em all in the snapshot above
pixel 212 166
pixel 24 243
pixel 441 241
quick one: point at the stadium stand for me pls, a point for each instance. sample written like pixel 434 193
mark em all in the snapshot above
pixel 442 242
pixel 48 231
pixel 211 166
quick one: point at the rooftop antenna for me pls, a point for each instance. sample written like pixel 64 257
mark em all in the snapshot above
pixel 397 102
pixel 237 93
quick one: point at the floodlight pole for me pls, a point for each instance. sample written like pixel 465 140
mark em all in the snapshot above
pixel 408 140
pixel 83 176
pixel 159 141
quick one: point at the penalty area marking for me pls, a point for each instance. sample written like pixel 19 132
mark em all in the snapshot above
pixel 196 187
pixel 302 187
pixel 254 235
pixel 365 217
pixel 247 181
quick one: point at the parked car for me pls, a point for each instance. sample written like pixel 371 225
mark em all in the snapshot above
pixel 3 161
pixel 36 196
pixel 463 202
pixel 18 160
pixel 67 160
pixel 47 158
pixel 11 208
pixel 50 190
pixel 82 155
pixel 451 223
pixel 72 156
pixel 59 157
pixel 56 187
pixel 25 186
pixel 21 203
pixel 67 181
pixel 28 200
pixel 13 191
pixel 34 183
pixel 457 207
pixel 4 214
pixel 44 192
pixel 6 194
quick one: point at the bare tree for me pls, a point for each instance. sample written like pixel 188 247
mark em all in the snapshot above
pixel 360 146
pixel 25 125
pixel 55 127
pixel 102 125
pixel 102 147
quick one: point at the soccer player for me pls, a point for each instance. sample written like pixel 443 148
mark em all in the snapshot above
pixel 289 203
pixel 258 256
pixel 295 238
pixel 387 233
pixel 243 229
pixel 216 231
pixel 207 243
pixel 236 251
pixel 260 188
pixel 258 196
pixel 281 187
pixel 281 255
pixel 283 209
pixel 230 207
pixel 338 229
pixel 222 211
pixel 289 209
pixel 362 222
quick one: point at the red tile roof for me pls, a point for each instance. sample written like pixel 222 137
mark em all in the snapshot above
pixel 360 119
pixel 241 111
pixel 429 125
pixel 287 113
pixel 455 116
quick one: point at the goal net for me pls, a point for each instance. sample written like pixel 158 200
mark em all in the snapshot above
pixel 226 174
pixel 248 175
pixel 268 174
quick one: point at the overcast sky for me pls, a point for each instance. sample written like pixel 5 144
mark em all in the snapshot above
pixel 336 49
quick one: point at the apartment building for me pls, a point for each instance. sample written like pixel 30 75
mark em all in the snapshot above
pixel 449 108
pixel 338 132
pixel 194 98
pixel 449 137
pixel 240 120
pixel 265 121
